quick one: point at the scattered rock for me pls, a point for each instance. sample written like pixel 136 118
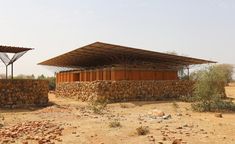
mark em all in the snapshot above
pixel 6 141
pixel 187 114
pixel 151 138
pixel 166 117
pixel 177 141
pixel 179 114
pixel 157 113
pixel 41 131
pixel 25 142
pixel 179 127
pixel 164 139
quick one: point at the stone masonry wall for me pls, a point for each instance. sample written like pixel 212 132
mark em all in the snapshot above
pixel 115 91
pixel 23 93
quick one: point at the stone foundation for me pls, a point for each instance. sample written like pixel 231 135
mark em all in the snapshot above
pixel 23 93
pixel 116 91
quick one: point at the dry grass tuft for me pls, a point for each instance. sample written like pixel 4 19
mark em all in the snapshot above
pixel 123 105
pixel 142 130
pixel 98 106
pixel 115 124
pixel 175 105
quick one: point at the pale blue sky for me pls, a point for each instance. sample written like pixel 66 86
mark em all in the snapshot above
pixel 197 28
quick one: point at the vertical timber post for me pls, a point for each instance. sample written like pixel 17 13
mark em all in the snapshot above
pixel 6 72
pixel 12 71
pixel 188 71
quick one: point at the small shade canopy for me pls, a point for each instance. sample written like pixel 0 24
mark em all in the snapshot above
pixel 17 51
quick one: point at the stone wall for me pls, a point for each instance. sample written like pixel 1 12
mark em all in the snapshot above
pixel 23 93
pixel 125 90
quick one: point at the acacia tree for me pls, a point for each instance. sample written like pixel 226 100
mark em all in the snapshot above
pixel 209 89
pixel 227 70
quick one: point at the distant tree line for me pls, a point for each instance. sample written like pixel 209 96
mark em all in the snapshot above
pixel 52 83
pixel 42 77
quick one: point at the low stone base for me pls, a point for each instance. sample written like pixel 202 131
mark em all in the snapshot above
pixel 23 93
pixel 116 91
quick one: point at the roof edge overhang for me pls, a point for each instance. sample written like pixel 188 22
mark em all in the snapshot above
pixel 98 51
pixel 13 49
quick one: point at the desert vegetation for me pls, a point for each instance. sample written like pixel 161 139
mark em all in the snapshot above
pixel 142 130
pixel 209 93
pixel 98 106
pixel 114 124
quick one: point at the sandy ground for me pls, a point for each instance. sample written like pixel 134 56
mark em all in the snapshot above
pixel 81 126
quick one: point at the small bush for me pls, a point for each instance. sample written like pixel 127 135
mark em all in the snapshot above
pixel 115 124
pixel 123 105
pixel 209 91
pixel 142 130
pixel 98 106
pixel 216 106
pixel 186 98
pixel 175 105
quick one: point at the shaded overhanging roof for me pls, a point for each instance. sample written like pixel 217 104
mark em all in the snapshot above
pixel 101 54
pixel 10 49
pixel 17 51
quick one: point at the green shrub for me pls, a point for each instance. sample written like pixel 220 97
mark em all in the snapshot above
pixel 52 83
pixel 216 106
pixel 209 90
pixel 186 98
pixel 225 71
pixel 52 80
pixel 98 106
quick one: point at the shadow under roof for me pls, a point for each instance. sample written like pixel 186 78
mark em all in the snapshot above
pixel 102 54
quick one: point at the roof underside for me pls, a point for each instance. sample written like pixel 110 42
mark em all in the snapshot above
pixel 10 49
pixel 103 54
pixel 17 51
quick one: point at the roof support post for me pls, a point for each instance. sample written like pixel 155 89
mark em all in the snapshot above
pixel 12 71
pixel 6 72
pixel 188 72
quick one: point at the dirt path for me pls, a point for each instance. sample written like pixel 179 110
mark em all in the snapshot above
pixel 72 122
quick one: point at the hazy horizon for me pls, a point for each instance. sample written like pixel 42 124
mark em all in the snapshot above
pixel 201 29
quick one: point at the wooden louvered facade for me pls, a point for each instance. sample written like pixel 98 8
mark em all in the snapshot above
pixel 115 74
